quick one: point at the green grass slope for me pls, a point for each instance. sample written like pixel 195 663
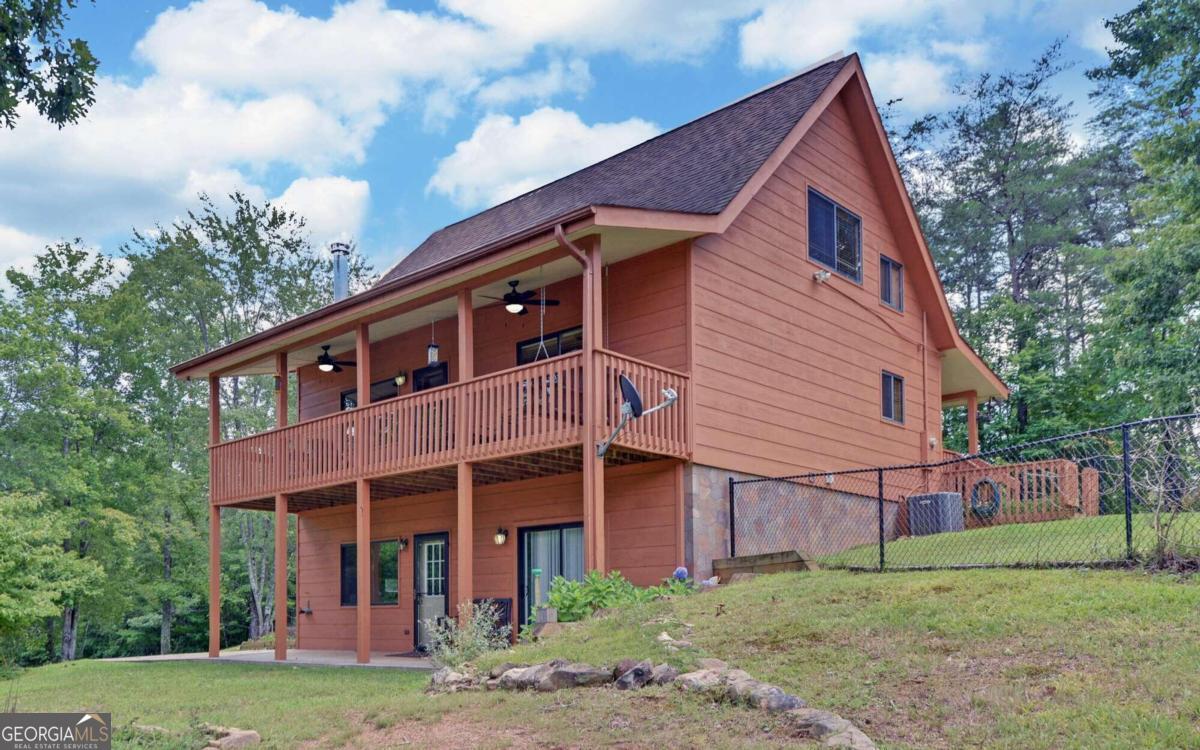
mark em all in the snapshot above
pixel 952 659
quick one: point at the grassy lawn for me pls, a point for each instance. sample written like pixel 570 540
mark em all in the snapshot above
pixel 1094 539
pixel 982 658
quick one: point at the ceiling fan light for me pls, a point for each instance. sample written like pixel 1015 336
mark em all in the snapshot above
pixel 325 367
pixel 514 307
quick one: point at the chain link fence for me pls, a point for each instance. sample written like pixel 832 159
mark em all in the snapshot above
pixel 1129 492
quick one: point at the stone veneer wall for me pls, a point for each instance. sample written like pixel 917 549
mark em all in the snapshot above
pixel 774 517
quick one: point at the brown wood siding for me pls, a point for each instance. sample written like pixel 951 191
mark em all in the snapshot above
pixel 787 371
pixel 640 512
pixel 644 301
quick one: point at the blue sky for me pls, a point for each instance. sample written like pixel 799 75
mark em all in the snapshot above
pixel 383 121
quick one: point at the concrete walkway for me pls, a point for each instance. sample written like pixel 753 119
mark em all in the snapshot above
pixel 296 658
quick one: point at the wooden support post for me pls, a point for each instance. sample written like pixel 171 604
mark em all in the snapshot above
pixel 214 410
pixel 214 524
pixel 464 582
pixel 593 409
pixel 281 389
pixel 972 422
pixel 466 336
pixel 362 363
pixel 362 538
pixel 214 581
pixel 281 577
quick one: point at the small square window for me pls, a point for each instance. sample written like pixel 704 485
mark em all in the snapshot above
pixel 893 397
pixel 834 236
pixel 891 282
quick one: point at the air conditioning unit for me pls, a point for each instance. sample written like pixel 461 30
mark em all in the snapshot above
pixel 935 513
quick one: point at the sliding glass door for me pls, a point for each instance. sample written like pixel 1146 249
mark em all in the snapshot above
pixel 547 552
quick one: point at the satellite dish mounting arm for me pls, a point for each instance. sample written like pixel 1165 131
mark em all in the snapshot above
pixel 631 408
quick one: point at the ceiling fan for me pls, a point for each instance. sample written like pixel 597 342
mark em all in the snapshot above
pixel 326 362
pixel 517 302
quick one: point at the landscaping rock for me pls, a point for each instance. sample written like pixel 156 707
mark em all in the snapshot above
pixel 831 729
pixel 523 678
pixel 670 643
pixel 447 680
pixel 229 738
pixel 708 663
pixel 500 669
pixel 664 674
pixel 700 681
pixel 572 675
pixel 624 666
pixel 637 677
pixel 235 739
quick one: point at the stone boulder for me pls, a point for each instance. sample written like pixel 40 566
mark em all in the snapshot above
pixel 664 674
pixel 448 680
pixel 738 687
pixel 573 675
pixel 637 676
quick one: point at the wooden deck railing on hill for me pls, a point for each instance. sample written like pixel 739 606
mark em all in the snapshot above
pixel 525 409
pixel 1030 491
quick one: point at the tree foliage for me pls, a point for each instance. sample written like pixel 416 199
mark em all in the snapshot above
pixel 39 67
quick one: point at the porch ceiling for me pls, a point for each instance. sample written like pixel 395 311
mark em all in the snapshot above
pixel 444 478
pixel 617 243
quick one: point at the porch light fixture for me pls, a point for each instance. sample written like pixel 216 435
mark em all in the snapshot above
pixel 500 537
pixel 401 378
pixel 402 543
pixel 432 350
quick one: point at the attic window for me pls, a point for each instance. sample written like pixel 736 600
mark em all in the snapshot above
pixel 834 236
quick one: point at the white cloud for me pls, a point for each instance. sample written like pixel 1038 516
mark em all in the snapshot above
pixel 539 86
pixel 505 157
pixel 1096 37
pixel 791 35
pixel 334 207
pixel 971 54
pixel 640 30
pixel 921 84
pixel 18 248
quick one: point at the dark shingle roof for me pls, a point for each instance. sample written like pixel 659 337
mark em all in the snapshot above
pixel 695 168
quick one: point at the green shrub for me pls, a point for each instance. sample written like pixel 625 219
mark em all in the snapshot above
pixel 575 600
pixel 452 644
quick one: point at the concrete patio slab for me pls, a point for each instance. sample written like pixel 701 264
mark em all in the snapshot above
pixel 296 658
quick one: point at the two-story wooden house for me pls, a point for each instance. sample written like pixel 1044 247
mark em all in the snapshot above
pixel 763 261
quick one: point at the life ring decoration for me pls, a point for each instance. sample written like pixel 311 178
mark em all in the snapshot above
pixel 985 508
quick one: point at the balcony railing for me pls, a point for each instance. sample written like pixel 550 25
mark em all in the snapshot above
pixel 526 409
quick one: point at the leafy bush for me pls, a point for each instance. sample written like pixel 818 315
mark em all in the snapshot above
pixel 575 600
pixel 452 644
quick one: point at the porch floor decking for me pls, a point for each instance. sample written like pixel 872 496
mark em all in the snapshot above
pixel 295 658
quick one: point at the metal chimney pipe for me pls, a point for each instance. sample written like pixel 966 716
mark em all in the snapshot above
pixel 341 270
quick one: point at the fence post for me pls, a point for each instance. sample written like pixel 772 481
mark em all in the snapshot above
pixel 732 522
pixel 1128 473
pixel 879 472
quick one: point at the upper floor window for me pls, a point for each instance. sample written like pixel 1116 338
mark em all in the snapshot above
pixel 893 397
pixel 380 391
pixel 560 342
pixel 891 282
pixel 834 236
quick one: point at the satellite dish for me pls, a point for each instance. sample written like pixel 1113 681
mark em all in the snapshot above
pixel 631 408
pixel 630 395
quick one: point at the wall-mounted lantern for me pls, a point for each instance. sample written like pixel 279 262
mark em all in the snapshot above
pixel 402 544
pixel 500 537
pixel 401 378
